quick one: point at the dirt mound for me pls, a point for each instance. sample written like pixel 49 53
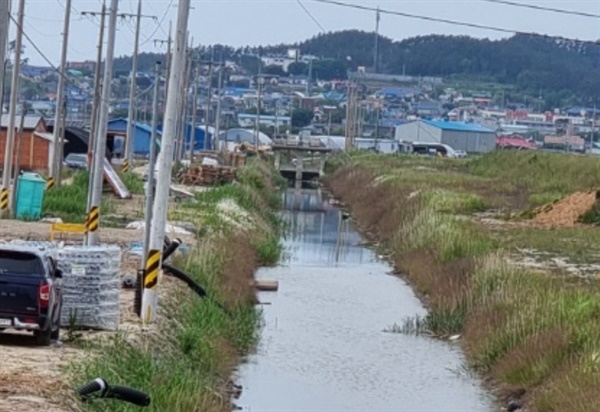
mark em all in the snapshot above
pixel 566 212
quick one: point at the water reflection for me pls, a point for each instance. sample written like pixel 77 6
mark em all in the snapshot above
pixel 323 346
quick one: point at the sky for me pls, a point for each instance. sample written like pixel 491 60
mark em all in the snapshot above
pixel 265 22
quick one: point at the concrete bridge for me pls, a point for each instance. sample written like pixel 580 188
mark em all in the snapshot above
pixel 300 160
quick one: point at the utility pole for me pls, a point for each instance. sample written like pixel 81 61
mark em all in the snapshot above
pixel 54 149
pixel 165 164
pixel 12 110
pixel 96 104
pixel 194 111
pixel 167 58
pixel 151 162
pixel 4 24
pixel 18 155
pixel 133 77
pixel 208 104
pixel 100 149
pixel 61 147
pixel 218 119
pixel 184 108
pixel 309 80
pixel 376 57
pixel 260 81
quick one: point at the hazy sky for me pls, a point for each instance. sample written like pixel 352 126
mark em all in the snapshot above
pixel 262 22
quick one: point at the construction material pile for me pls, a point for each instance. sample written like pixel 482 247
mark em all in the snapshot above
pixel 207 175
pixel 235 159
pixel 566 212
pixel 91 285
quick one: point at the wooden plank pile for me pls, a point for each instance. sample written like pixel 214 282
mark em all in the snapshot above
pixel 207 175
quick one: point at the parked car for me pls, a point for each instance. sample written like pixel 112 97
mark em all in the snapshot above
pixel 460 153
pixel 77 161
pixel 30 292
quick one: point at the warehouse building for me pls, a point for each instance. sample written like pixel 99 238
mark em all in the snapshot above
pixel 469 137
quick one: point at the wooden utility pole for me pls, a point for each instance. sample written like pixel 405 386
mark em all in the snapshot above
pixel 96 104
pixel 165 164
pixel 100 149
pixel 54 149
pixel 12 110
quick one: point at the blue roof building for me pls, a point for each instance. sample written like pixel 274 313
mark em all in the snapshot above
pixel 141 136
pixel 469 137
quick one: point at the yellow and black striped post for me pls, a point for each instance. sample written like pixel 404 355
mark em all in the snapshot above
pixel 126 165
pixel 149 301
pixel 92 220
pixel 4 199
pixel 49 183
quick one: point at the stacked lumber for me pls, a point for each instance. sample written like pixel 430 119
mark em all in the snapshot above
pixel 236 159
pixel 207 175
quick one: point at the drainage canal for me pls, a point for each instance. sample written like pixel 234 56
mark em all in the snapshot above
pixel 323 346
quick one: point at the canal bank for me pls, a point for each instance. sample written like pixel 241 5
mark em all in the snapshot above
pixel 523 295
pixel 327 342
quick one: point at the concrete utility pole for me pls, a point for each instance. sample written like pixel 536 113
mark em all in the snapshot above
pixel 376 51
pixel 165 164
pixel 151 162
pixel 12 110
pixel 131 115
pixel 260 81
pixel 4 24
pixel 184 108
pixel 100 149
pixel 54 149
pixel 208 104
pixel 18 155
pixel 96 104
pixel 194 111
pixel 218 119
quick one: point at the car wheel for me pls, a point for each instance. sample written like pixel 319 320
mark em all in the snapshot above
pixel 43 337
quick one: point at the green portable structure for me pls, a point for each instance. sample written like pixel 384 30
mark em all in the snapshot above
pixel 30 196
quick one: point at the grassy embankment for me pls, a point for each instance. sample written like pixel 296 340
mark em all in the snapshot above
pixel 185 360
pixel 535 334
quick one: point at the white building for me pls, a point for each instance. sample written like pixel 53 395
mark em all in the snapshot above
pixel 470 137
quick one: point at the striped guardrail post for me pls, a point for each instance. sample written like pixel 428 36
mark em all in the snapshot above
pixel 126 165
pixel 149 298
pixel 92 220
pixel 50 183
pixel 4 199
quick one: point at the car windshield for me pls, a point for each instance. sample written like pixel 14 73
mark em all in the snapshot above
pixel 20 263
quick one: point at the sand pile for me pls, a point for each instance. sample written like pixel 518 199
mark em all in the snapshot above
pixel 567 211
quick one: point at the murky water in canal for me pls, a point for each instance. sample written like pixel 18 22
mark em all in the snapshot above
pixel 323 346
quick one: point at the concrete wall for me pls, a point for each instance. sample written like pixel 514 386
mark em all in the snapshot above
pixel 418 132
pixel 471 142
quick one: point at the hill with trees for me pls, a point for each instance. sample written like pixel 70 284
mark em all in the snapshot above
pixel 559 70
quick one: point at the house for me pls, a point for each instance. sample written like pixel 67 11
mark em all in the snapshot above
pixel 34 153
pixel 514 142
pixel 249 120
pixel 117 129
pixel 469 137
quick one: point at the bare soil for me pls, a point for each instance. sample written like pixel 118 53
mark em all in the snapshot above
pixel 567 211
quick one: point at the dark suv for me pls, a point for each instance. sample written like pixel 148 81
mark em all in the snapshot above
pixel 30 292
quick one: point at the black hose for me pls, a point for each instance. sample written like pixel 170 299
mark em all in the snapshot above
pixel 93 386
pixel 129 395
pixel 171 248
pixel 200 291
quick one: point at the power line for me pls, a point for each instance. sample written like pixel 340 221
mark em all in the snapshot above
pixel 310 15
pixel 162 19
pixel 543 8
pixel 454 22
